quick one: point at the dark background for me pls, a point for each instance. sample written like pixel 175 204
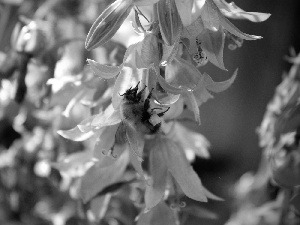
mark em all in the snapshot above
pixel 230 120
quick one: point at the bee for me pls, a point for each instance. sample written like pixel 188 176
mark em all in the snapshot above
pixel 137 112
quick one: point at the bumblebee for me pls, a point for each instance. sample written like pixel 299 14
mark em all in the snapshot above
pixel 137 112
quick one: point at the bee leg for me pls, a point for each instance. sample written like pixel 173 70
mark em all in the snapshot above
pixel 139 95
pixel 136 87
pixel 163 113
pixel 134 90
pixel 147 101
pixel 156 128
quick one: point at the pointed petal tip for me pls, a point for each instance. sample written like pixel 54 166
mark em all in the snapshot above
pixel 60 132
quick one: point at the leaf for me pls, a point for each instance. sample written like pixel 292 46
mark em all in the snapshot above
pixel 182 171
pixel 107 118
pixel 232 11
pixel 159 215
pixel 104 71
pixel 107 24
pixel 158 169
pixel 212 42
pixel 97 178
pixel 190 140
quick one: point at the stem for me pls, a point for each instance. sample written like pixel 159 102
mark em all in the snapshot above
pixel 21 86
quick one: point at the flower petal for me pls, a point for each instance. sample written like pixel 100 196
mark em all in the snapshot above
pixel 107 24
pixel 194 105
pixel 136 142
pixel 158 170
pixel 227 25
pixel 182 171
pixel 76 134
pixel 212 42
pixel 107 118
pixel 98 178
pixel 159 215
pixel 232 11
pixel 105 142
pixel 169 21
pixel 218 86
pixel 104 71
pixel 190 140
pixel 129 77
pixel 144 2
pixel 182 74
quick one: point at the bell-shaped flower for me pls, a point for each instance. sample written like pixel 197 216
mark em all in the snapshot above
pixel 107 24
pixel 207 25
pixel 167 159
pixel 110 20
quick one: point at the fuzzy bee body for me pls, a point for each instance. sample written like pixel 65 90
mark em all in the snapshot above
pixel 136 112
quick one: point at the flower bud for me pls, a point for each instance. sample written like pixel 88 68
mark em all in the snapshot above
pixel 169 21
pixel 107 24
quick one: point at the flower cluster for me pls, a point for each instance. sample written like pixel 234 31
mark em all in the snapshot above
pixel 141 103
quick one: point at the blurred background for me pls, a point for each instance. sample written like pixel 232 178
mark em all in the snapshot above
pixel 230 120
